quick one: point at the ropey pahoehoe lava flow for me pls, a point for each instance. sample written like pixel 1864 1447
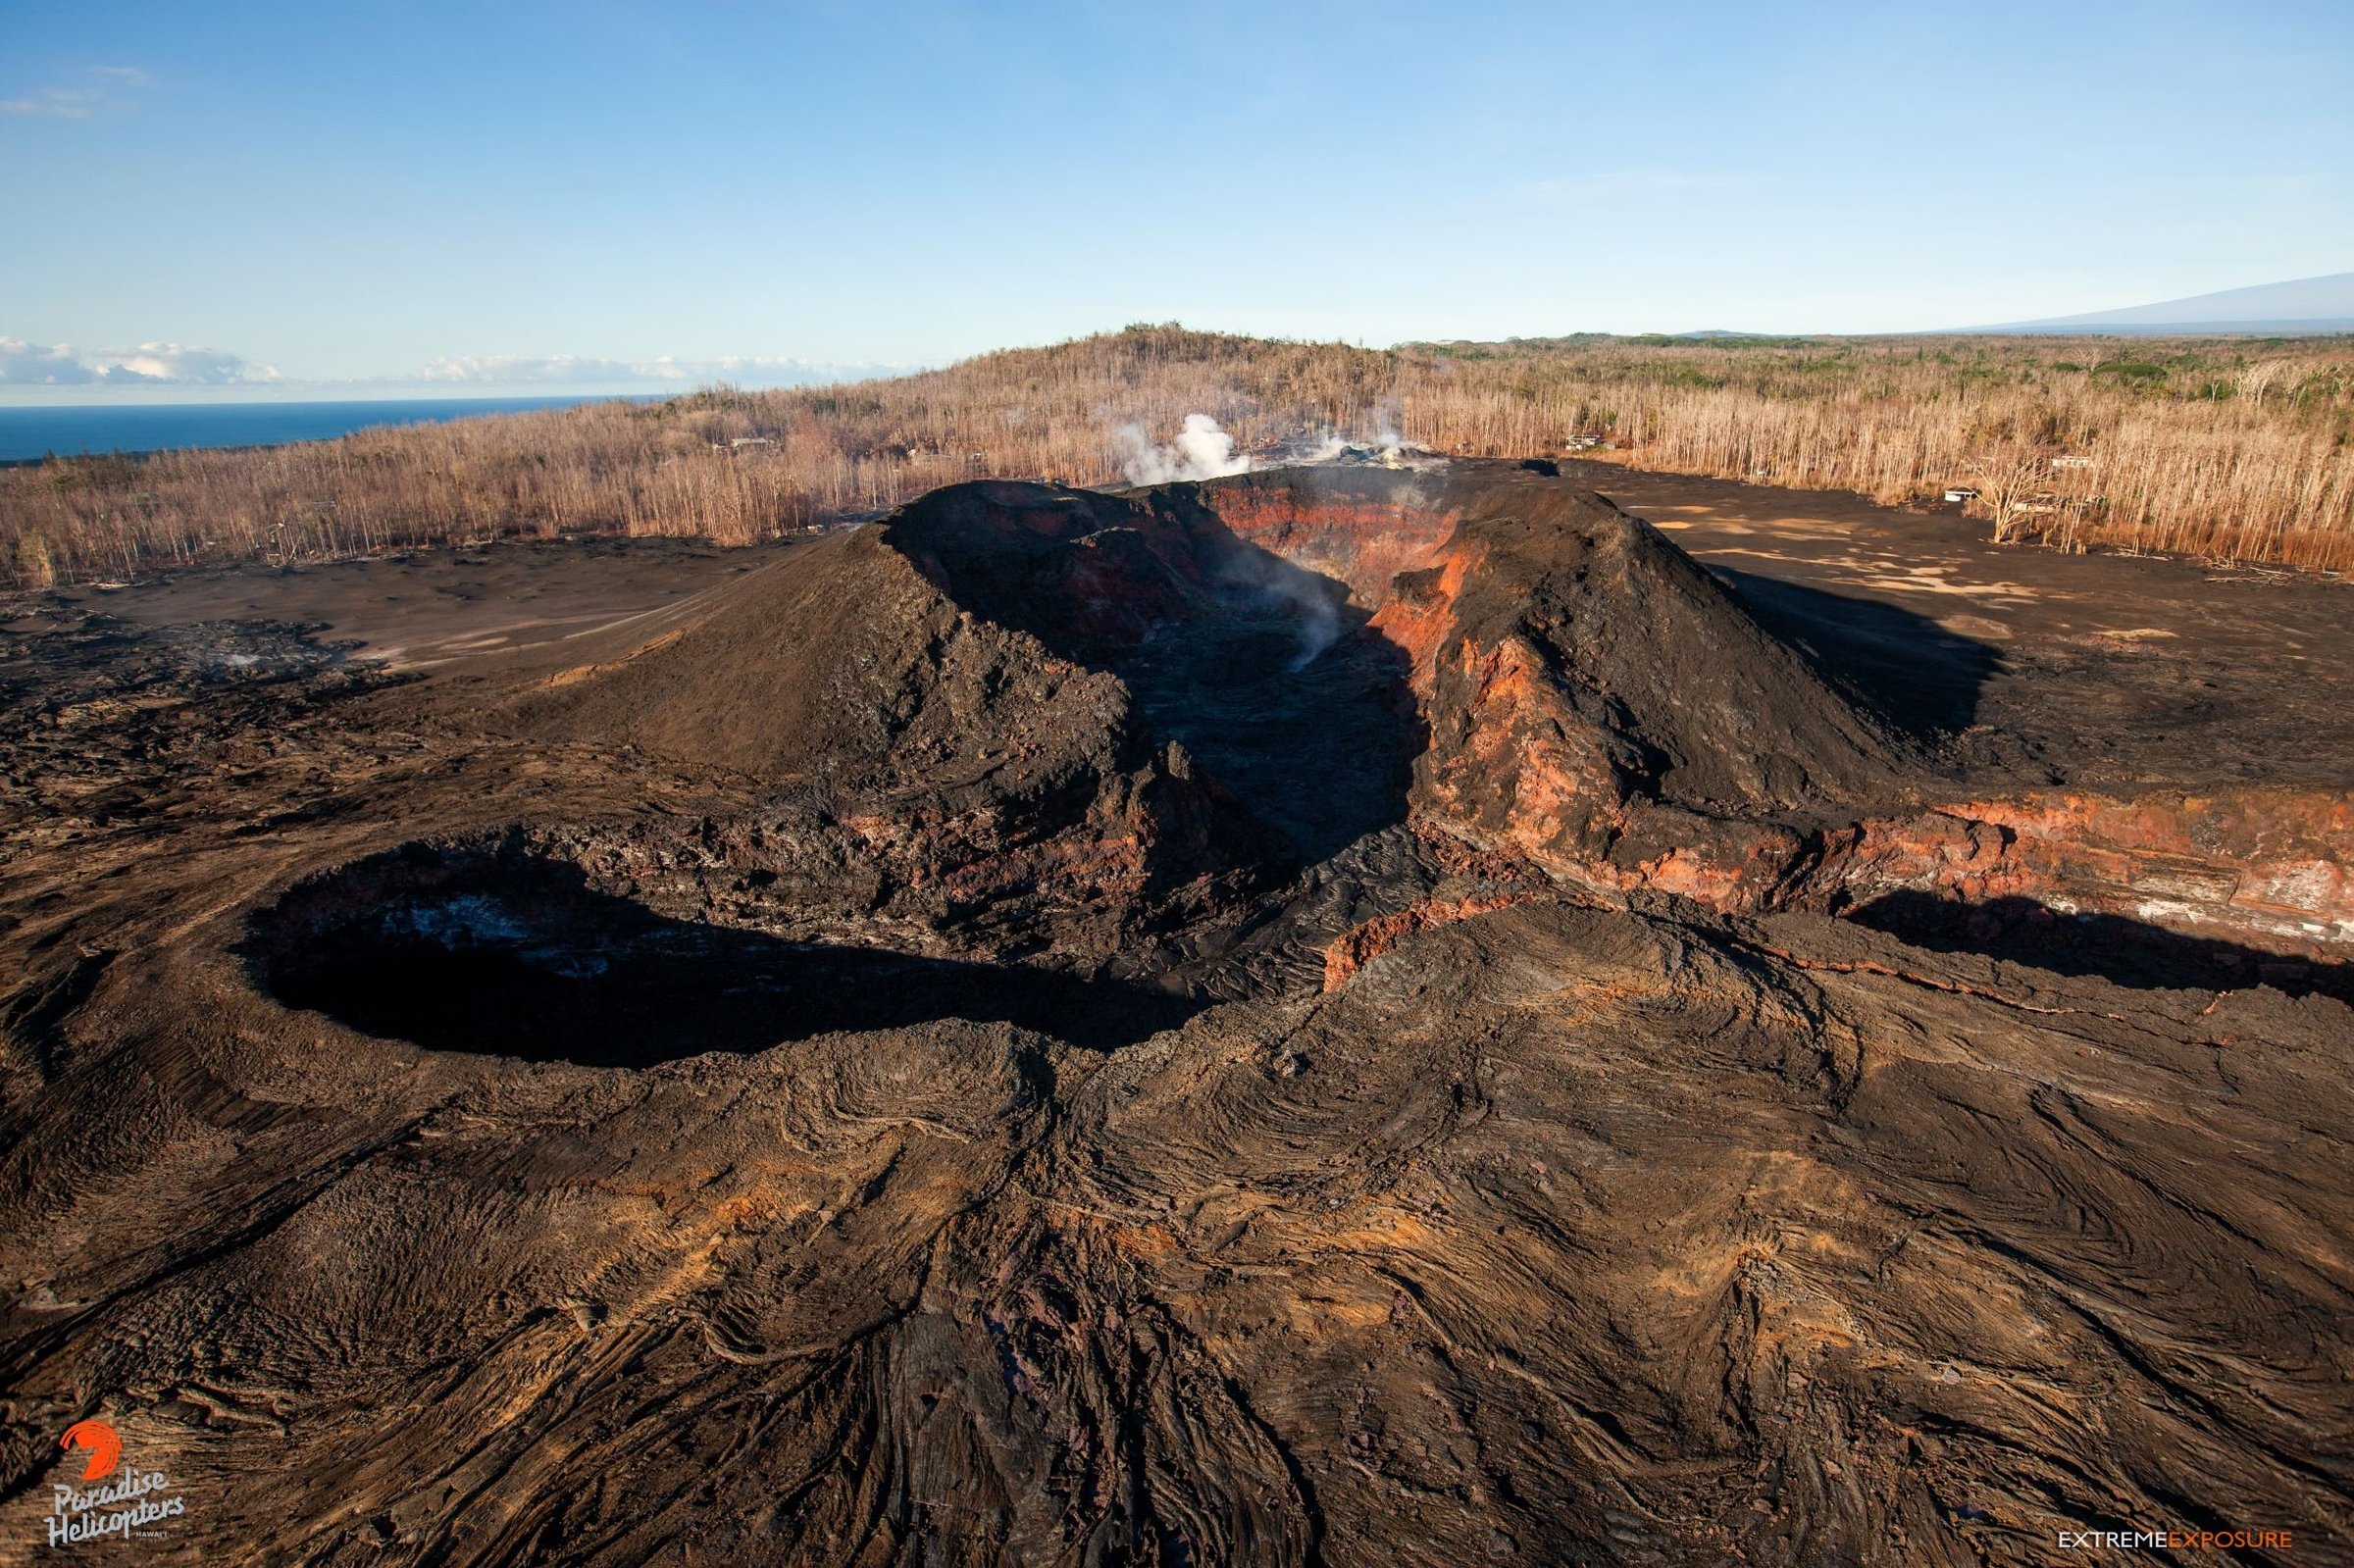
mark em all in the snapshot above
pixel 1333 1015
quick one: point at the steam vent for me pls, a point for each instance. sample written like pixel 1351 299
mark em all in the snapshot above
pixel 1336 1016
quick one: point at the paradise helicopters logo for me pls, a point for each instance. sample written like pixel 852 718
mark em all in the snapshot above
pixel 121 1503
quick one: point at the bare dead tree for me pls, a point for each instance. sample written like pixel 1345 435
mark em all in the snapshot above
pixel 2008 478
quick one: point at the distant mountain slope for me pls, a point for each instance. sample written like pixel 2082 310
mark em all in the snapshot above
pixel 2301 305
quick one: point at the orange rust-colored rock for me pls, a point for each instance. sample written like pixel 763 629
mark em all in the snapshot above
pixel 1368 941
pixel 1601 708
pixel 2274 867
pixel 1420 608
pixel 1332 523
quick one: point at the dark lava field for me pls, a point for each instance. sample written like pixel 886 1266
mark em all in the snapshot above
pixel 1347 1015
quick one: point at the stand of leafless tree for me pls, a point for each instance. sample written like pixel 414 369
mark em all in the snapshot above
pixel 2220 447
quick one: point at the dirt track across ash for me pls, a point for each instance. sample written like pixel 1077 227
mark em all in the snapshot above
pixel 1337 1016
pixel 2116 668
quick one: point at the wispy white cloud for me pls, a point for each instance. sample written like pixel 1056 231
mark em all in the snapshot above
pixel 176 362
pixel 23 364
pixel 97 90
pixel 574 369
pixel 56 103
pixel 517 369
pixel 758 371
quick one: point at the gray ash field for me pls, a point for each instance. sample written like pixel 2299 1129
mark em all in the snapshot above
pixel 1338 1016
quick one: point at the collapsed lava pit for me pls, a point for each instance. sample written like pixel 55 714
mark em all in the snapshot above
pixel 493 950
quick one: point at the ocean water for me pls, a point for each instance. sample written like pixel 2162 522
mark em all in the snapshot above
pixel 31 431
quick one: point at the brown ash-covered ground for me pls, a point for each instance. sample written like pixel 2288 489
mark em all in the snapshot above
pixel 1336 1016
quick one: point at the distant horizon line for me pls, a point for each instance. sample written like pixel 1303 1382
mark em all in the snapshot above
pixel 164 394
pixel 174 395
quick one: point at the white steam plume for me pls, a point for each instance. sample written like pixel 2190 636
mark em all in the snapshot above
pixel 1386 444
pixel 1268 584
pixel 1202 451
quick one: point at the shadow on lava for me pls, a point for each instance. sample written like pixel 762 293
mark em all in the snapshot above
pixel 500 954
pixel 1284 691
pixel 1321 752
pixel 1913 672
pixel 1262 670
pixel 2124 952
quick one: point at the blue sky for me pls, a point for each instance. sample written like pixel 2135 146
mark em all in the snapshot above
pixel 525 195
